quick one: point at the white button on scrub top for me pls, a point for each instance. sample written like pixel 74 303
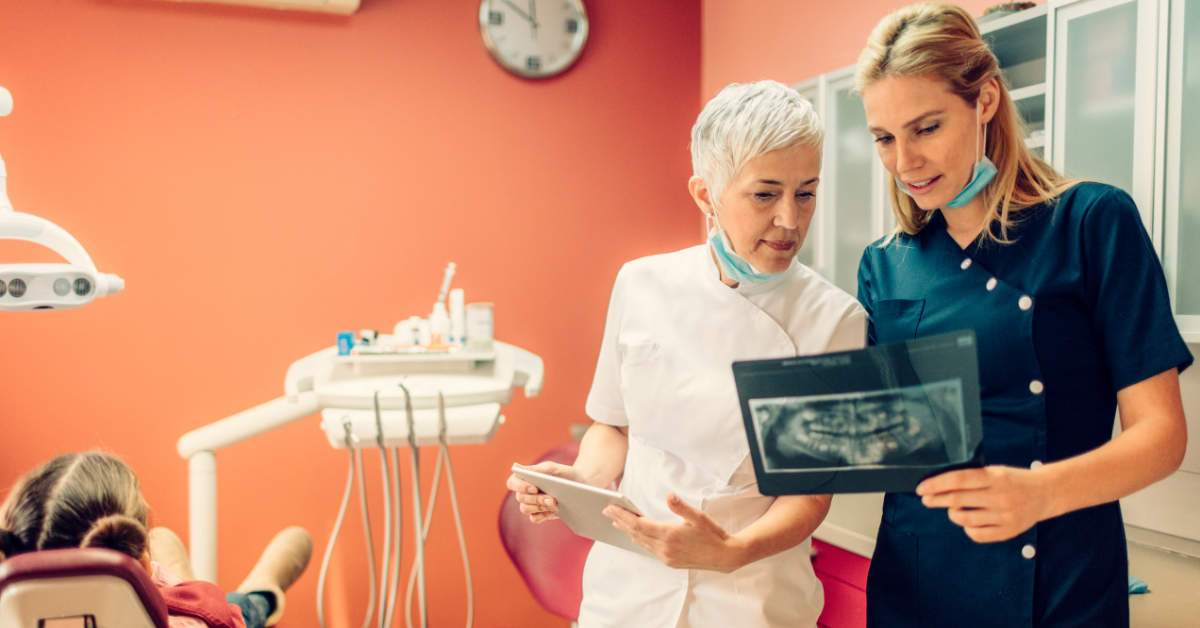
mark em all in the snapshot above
pixel 1035 464
pixel 1036 387
pixel 991 284
pixel 1025 302
pixel 966 263
pixel 1028 551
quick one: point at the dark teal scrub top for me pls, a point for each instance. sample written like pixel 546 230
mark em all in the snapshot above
pixel 1072 312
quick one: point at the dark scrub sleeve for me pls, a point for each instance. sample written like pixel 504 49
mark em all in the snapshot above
pixel 1127 294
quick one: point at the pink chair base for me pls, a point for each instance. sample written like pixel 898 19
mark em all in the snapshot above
pixel 549 556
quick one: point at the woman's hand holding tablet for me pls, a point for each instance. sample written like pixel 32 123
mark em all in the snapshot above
pixel 581 506
pixel 535 503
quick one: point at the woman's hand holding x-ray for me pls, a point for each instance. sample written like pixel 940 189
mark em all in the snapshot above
pixel 697 542
pixel 997 503
pixel 538 505
pixel 991 504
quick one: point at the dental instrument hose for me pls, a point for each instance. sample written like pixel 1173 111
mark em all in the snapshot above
pixel 391 605
pixel 414 458
pixel 355 464
pixel 390 574
pixel 386 601
pixel 444 454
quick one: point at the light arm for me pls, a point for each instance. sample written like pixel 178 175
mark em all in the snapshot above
pixel 997 503
pixel 602 454
pixel 698 542
pixel 1151 446
pixel 790 520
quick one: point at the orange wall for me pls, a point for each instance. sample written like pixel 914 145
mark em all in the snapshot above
pixel 264 179
pixel 789 40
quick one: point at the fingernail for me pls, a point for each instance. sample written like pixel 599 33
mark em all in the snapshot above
pixel 532 489
pixel 549 502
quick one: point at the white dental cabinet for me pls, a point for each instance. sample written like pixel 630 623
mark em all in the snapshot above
pixel 1110 90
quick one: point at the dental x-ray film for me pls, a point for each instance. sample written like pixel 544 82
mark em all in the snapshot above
pixel 880 419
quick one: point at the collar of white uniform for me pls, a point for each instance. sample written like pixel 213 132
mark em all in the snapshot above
pixel 746 289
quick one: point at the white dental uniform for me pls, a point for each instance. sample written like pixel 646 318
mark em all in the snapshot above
pixel 665 371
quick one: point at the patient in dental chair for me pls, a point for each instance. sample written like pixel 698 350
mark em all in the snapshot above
pixel 92 499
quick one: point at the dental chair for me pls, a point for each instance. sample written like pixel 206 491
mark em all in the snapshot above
pixel 549 556
pixel 78 588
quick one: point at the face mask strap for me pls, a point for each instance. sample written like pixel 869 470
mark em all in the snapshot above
pixel 980 156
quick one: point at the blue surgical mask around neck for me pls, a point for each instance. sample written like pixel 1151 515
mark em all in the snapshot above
pixel 735 267
pixel 981 173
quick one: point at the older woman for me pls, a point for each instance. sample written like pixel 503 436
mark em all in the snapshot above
pixel 663 400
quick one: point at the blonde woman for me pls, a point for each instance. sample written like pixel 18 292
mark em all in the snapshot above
pixel 1063 289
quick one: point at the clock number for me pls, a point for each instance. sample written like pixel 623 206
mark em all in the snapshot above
pixel 533 63
pixel 496 18
pixel 572 26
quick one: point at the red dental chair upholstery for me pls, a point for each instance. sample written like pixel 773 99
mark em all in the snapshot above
pixel 78 588
pixel 549 555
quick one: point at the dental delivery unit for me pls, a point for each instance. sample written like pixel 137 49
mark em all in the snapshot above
pixel 433 382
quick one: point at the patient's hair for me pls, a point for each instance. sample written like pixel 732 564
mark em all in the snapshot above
pixel 746 121
pixel 942 41
pixel 87 499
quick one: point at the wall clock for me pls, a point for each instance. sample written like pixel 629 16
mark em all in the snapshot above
pixel 533 38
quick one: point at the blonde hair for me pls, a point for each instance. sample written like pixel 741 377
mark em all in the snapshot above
pixel 942 40
pixel 87 499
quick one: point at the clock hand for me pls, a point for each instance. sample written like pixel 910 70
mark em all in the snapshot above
pixel 520 12
pixel 533 16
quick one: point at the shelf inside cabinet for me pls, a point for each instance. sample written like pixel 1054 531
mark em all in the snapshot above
pixel 1019 43
pixel 1031 106
pixel 1031 91
pixel 1013 18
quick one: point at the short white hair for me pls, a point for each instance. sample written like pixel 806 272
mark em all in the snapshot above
pixel 746 121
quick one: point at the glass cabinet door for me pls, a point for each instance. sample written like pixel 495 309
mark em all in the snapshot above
pixel 1104 95
pixel 811 252
pixel 851 218
pixel 1181 256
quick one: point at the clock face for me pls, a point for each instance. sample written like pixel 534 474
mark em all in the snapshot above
pixel 533 38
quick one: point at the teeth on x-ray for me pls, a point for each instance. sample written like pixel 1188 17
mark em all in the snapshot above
pixel 897 426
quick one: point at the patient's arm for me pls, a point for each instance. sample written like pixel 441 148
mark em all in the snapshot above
pixel 601 460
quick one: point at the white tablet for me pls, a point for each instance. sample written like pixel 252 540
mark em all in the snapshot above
pixel 581 506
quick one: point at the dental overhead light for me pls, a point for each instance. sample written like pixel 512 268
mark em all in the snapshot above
pixel 25 287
